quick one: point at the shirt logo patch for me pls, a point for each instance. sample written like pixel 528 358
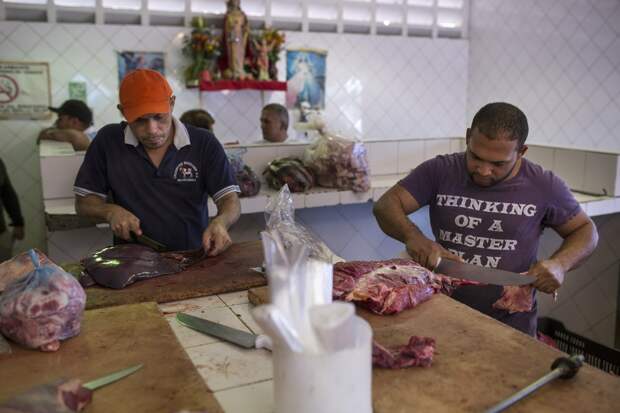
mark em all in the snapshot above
pixel 186 172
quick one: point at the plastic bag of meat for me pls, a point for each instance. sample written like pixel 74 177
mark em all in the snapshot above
pixel 42 308
pixel 248 181
pixel 280 217
pixel 289 171
pixel 60 397
pixel 18 267
pixel 5 347
pixel 337 162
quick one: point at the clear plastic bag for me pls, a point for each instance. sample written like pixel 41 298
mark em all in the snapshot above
pixel 248 181
pixel 337 162
pixel 42 308
pixel 280 217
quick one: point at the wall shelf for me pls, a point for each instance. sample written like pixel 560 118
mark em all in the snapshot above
pixel 242 84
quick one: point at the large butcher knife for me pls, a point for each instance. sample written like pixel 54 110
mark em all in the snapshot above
pixel 232 335
pixel 481 274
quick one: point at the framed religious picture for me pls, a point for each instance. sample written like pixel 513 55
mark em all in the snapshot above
pixel 305 77
pixel 24 90
pixel 128 61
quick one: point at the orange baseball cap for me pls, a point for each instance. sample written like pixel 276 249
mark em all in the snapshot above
pixel 144 91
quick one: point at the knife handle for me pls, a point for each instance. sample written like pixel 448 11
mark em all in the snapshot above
pixel 263 341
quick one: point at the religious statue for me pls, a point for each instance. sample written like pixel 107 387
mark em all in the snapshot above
pixel 236 33
pixel 262 61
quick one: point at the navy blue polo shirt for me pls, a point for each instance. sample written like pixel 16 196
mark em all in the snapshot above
pixel 171 200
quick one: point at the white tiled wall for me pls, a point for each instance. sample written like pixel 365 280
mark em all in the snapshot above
pixel 377 87
pixel 558 60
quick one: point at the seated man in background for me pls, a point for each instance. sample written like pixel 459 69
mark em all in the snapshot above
pixel 274 122
pixel 73 124
pixel 9 201
pixel 199 118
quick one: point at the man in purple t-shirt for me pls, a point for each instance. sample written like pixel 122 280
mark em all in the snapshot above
pixel 488 206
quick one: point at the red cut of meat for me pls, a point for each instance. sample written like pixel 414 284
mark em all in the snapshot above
pixel 121 265
pixel 515 298
pixel 42 308
pixel 384 287
pixel 391 286
pixel 63 397
pixel 418 352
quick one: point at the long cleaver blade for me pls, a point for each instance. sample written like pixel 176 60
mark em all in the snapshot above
pixel 232 335
pixel 481 274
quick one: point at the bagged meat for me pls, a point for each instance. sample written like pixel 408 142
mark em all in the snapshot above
pixel 42 308
pixel 118 266
pixel 337 162
pixel 60 397
pixel 5 347
pixel 288 171
pixel 248 181
pixel 418 351
pixel 391 286
pixel 18 267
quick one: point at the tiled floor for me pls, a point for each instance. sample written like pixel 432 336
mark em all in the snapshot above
pixel 240 379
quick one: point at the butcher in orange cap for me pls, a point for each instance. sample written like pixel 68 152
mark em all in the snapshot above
pixel 152 175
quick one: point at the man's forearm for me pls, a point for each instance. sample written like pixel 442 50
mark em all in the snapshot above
pixel 228 210
pixel 394 222
pixel 577 247
pixel 77 139
pixel 94 207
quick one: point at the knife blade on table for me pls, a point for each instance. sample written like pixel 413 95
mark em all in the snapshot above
pixel 111 378
pixel 481 274
pixel 232 335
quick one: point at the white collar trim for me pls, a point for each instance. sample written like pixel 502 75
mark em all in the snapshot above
pixel 181 135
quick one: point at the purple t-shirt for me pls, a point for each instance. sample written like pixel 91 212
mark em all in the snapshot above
pixel 497 226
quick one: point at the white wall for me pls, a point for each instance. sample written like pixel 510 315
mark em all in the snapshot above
pixel 377 87
pixel 558 60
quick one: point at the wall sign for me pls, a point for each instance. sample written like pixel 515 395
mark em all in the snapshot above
pixel 77 90
pixel 305 75
pixel 128 61
pixel 24 90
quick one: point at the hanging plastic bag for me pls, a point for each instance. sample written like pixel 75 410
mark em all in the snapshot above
pixel 280 217
pixel 42 308
pixel 248 181
pixel 337 162
pixel 288 171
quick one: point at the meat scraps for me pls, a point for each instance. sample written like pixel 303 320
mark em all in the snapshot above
pixel 417 352
pixel 17 267
pixel 42 308
pixel 515 298
pixel 391 286
pixel 121 265
pixel 61 397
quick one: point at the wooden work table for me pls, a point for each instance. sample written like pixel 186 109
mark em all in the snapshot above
pixel 478 363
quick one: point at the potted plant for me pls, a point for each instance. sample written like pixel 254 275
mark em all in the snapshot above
pixel 203 48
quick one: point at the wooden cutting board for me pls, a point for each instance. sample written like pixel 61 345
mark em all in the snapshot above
pixel 478 363
pixel 227 272
pixel 112 339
